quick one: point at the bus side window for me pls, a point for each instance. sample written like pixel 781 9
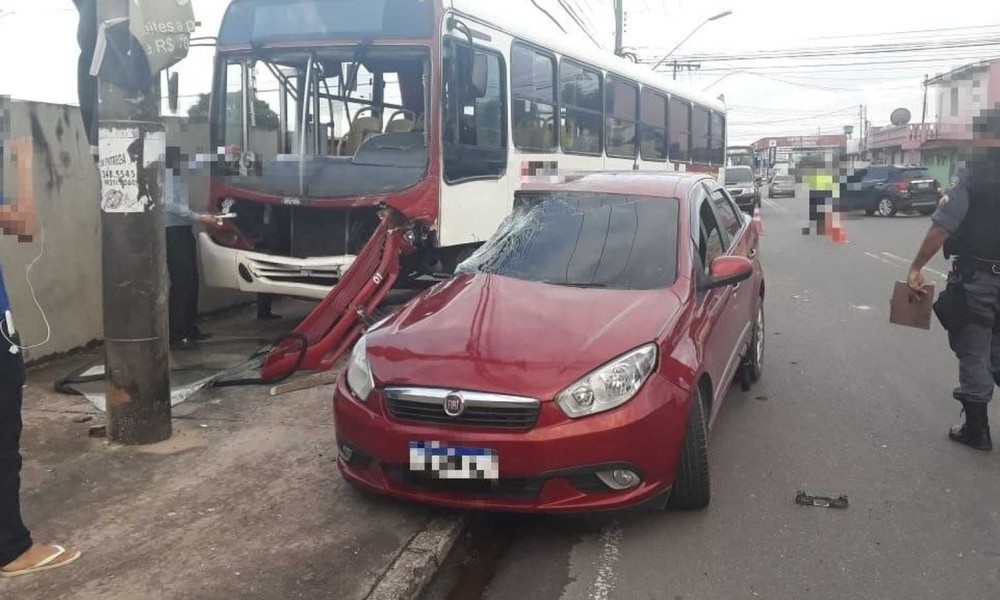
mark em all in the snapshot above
pixel 475 135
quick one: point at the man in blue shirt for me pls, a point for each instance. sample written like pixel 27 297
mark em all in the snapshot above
pixel 19 555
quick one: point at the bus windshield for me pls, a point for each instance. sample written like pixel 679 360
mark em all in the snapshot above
pixel 252 22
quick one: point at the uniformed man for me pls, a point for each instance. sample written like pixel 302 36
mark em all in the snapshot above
pixel 967 226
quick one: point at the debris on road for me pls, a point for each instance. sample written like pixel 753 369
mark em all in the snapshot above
pixel 805 499
pixel 83 419
pixel 98 431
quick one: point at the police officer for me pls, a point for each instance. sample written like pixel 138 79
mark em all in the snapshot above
pixel 967 225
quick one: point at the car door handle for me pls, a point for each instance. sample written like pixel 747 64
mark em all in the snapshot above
pixel 753 254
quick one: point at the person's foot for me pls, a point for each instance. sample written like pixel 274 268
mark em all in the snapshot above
pixel 40 558
pixel 975 432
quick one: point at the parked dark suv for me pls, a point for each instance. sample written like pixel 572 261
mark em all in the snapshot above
pixel 743 187
pixel 887 190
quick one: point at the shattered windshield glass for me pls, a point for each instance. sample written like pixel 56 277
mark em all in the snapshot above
pixel 585 240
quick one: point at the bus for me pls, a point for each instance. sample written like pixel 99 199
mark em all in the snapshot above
pixel 740 156
pixel 363 143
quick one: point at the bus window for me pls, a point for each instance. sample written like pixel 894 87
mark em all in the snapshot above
pixel 582 109
pixel 621 105
pixel 680 130
pixel 475 140
pixel 233 107
pixel 533 87
pixel 654 125
pixel 718 139
pixel 700 136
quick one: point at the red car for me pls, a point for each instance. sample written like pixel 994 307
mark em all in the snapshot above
pixel 574 363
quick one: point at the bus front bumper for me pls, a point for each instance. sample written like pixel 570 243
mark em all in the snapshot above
pixel 259 273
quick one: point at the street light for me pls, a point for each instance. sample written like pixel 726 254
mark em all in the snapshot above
pixel 703 23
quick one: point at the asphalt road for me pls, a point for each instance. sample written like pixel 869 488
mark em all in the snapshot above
pixel 848 404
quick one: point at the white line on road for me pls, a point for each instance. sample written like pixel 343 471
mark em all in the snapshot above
pixel 775 206
pixel 877 257
pixel 894 257
pixel 611 538
pixel 938 273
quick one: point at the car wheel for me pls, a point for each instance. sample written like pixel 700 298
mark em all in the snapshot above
pixel 870 212
pixel 692 489
pixel 885 207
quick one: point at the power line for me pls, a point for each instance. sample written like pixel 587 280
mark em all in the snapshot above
pixel 891 33
pixel 579 23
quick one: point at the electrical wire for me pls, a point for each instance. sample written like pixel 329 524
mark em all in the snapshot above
pixel 34 297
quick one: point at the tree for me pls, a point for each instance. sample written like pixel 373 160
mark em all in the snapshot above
pixel 266 117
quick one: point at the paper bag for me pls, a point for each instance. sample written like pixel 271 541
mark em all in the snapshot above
pixel 911 309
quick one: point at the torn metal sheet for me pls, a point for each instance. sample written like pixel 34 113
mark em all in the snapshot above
pixel 805 499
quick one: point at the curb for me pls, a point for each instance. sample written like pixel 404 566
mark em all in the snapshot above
pixel 419 560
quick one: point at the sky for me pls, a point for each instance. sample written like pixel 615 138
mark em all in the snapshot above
pixel 766 98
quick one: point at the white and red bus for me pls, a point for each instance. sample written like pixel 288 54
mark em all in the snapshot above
pixel 367 141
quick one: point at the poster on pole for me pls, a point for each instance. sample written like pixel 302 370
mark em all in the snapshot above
pixel 119 170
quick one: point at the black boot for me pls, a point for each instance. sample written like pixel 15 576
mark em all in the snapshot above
pixel 975 432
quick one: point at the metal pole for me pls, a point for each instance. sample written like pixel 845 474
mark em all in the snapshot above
pixel 619 26
pixel 923 115
pixel 132 143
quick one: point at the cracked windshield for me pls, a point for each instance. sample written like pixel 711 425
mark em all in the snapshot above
pixel 469 300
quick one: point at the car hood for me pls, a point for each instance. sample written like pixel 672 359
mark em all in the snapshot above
pixel 498 334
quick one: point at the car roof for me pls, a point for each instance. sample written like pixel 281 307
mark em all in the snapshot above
pixel 655 184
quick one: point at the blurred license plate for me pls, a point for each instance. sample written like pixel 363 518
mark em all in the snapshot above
pixel 444 462
pixel 923 186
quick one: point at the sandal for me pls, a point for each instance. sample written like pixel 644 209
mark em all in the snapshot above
pixel 52 562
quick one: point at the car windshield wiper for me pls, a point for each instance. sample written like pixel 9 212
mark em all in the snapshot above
pixel 576 284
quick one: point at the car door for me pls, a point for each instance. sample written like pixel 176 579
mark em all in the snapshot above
pixel 871 186
pixel 851 195
pixel 716 323
pixel 744 240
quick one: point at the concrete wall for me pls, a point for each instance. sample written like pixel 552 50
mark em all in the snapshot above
pixel 64 183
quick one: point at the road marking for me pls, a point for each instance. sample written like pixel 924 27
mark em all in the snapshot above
pixel 775 206
pixel 606 580
pixel 938 273
pixel 877 257
pixel 894 257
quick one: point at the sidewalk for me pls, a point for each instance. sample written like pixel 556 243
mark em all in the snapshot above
pixel 244 501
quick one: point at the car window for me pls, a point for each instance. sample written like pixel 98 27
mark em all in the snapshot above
pixel 728 214
pixel 712 243
pixel 586 240
pixel 876 174
pixel 912 174
pixel 738 176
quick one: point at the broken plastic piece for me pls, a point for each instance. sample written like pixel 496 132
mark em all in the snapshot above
pixel 820 501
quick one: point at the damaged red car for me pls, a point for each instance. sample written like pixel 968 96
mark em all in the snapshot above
pixel 575 362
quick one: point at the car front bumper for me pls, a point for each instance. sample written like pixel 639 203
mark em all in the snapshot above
pixel 548 468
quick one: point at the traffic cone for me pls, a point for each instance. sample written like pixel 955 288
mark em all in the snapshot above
pixel 758 222
pixel 837 231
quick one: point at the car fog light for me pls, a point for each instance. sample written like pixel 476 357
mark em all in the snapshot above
pixel 619 479
pixel 347 452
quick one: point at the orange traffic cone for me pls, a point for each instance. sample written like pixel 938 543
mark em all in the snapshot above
pixel 758 222
pixel 837 231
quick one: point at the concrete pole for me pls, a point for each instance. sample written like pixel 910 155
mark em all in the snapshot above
pixel 131 148
pixel 619 26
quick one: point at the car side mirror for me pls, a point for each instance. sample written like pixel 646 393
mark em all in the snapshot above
pixel 726 271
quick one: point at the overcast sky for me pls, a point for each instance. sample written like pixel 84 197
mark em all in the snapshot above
pixel 38 43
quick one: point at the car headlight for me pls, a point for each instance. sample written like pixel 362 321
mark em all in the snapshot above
pixel 359 372
pixel 610 386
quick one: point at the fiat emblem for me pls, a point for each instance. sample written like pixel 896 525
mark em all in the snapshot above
pixel 454 404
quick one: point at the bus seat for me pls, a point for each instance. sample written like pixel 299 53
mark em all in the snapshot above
pixel 361 129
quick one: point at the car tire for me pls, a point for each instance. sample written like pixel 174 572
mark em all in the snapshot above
pixel 885 206
pixel 870 212
pixel 692 488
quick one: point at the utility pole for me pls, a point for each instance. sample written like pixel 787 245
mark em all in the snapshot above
pixel 923 114
pixel 132 144
pixel 685 66
pixel 619 26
